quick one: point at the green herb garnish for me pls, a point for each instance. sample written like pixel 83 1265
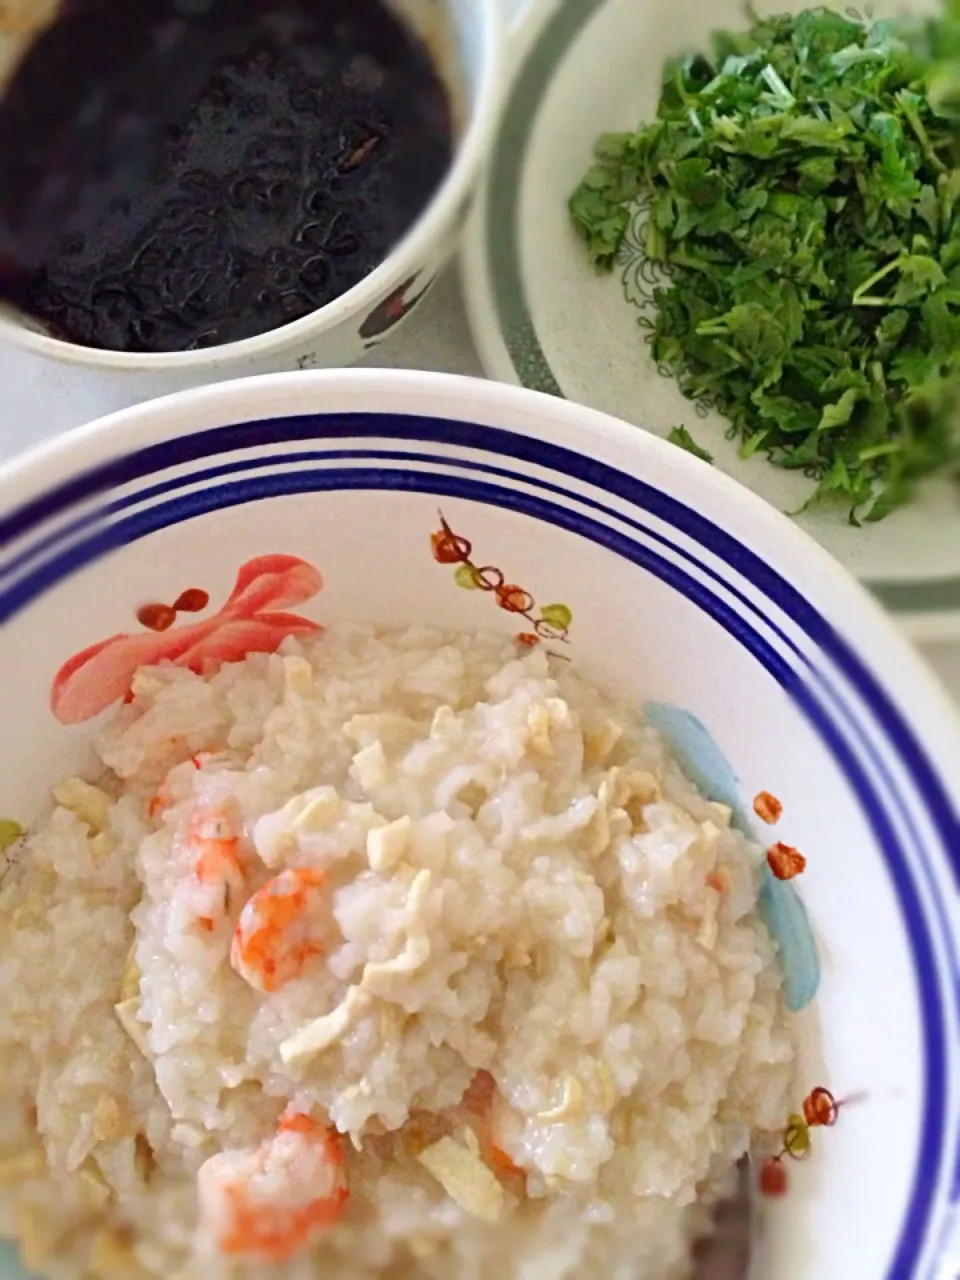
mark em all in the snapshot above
pixel 804 189
pixel 682 437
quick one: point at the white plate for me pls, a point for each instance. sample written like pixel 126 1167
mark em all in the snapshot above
pixel 542 318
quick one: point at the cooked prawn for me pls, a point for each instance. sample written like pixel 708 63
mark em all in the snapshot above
pixel 284 924
pixel 484 1106
pixel 213 840
pixel 270 1202
pixel 172 787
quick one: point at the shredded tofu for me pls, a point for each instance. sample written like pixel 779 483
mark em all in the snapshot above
pixel 710 833
pixel 318 809
pixel 323 1032
pixel 444 721
pixel 387 846
pixel 89 803
pixel 570 1104
pixel 144 1159
pixel 560 713
pixel 126 1012
pixel 101 845
pixel 275 834
pixel 538 730
pixel 633 790
pixel 392 1022
pixel 144 684
pixel 34 1235
pixel 722 812
pixel 470 1141
pixel 637 785
pixel 597 746
pixel 189 1135
pixel 708 931
pixel 18 1166
pixel 607 1089
pixel 111 1256
pixel 370 766
pixel 598 838
pixel 415 954
pixel 423 1246
pixel 109 1122
pixel 542 717
pixel 386 726
pixel 298 676
pixel 130 983
pixel 94 1187
pixel 516 956
pixel 419 892
pixel 416 949
pixel 465 1178
pixel 560 826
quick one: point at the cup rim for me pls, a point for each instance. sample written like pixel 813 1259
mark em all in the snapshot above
pixel 427 230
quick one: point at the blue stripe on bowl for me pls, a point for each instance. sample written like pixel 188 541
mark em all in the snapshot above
pixel 310 427
pixel 931 1160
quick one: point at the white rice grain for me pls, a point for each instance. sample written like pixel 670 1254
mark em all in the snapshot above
pixel 517 877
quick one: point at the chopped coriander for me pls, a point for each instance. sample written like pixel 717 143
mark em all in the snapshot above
pixel 804 187
pixel 682 437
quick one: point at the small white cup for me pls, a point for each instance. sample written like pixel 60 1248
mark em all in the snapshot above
pixel 469 38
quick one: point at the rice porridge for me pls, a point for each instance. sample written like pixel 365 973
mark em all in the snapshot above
pixel 394 954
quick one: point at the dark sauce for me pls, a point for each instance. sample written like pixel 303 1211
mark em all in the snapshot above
pixel 176 174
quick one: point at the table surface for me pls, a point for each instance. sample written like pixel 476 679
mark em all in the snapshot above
pixel 39 399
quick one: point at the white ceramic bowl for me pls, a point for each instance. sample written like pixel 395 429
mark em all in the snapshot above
pixel 468 37
pixel 683 589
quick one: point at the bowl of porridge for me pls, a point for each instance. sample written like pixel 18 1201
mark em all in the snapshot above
pixel 452 834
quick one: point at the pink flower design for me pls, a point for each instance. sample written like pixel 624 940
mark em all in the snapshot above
pixel 250 622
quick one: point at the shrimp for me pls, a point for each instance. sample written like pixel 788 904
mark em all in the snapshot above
pixel 271 1202
pixel 484 1106
pixel 284 924
pixel 213 839
pixel 175 784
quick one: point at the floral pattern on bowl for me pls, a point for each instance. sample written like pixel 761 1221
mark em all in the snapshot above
pixel 251 621
pixel 550 622
pixel 781 906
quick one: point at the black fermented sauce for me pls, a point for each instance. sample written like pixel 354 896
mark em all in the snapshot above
pixel 176 174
